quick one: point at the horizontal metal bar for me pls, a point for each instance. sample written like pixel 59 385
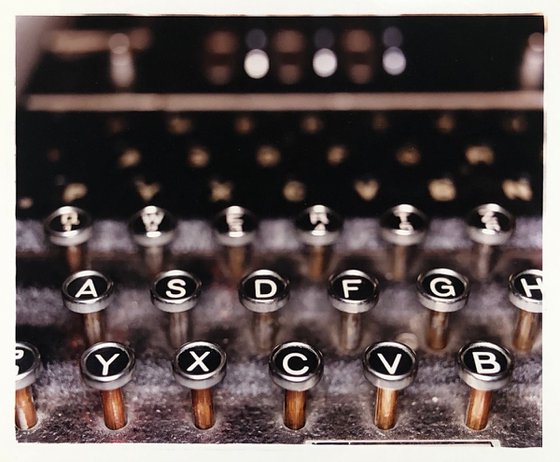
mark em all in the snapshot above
pixel 209 102
pixel 489 443
pixel 69 42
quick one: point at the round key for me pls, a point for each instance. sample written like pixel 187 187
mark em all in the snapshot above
pixel 235 226
pixel 389 366
pixel 488 226
pixel 28 366
pixel 442 291
pixel 295 367
pixel 352 293
pixel 403 226
pixel 264 292
pixel 526 293
pixel 235 229
pixel 176 292
pixel 318 227
pixel 484 367
pixel 70 227
pixel 108 367
pixel 200 366
pixel 88 293
pixel 153 228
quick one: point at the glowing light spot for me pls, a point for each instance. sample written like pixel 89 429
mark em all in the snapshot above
pixel 324 62
pixel 256 64
pixel 394 61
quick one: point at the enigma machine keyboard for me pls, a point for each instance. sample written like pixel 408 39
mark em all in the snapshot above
pixel 303 230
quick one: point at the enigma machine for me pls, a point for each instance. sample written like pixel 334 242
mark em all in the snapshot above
pixel 303 230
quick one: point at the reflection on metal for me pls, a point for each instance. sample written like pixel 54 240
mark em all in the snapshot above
pixel 71 43
pixel 488 443
pixel 527 100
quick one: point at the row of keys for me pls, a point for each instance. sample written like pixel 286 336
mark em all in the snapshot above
pixel 444 161
pixel 296 367
pixel 403 227
pixel 264 292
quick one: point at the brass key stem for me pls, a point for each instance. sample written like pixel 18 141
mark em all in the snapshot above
pixel 437 330
pixel 94 327
pixel 478 409
pixel 179 325
pixel 76 258
pixel 237 260
pixel 400 257
pixel 113 409
pixel 484 257
pixel 154 257
pixel 525 330
pixel 294 409
pixel 26 415
pixel 385 408
pixel 202 408
pixel 350 330
pixel 318 261
pixel 265 327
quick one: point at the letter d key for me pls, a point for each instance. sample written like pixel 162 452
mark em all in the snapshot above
pixel 264 292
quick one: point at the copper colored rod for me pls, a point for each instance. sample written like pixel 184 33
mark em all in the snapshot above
pixel 153 259
pixel 350 330
pixel 178 328
pixel 26 416
pixel 76 258
pixel 94 327
pixel 265 326
pixel 202 408
pixel 525 330
pixel 437 330
pixel 294 409
pixel 400 259
pixel 237 260
pixel 478 409
pixel 385 408
pixel 318 261
pixel 484 257
pixel 113 409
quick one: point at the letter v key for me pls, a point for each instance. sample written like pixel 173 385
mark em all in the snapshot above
pixel 391 368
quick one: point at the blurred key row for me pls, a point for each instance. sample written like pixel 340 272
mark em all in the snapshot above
pixel 402 230
pixel 197 163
